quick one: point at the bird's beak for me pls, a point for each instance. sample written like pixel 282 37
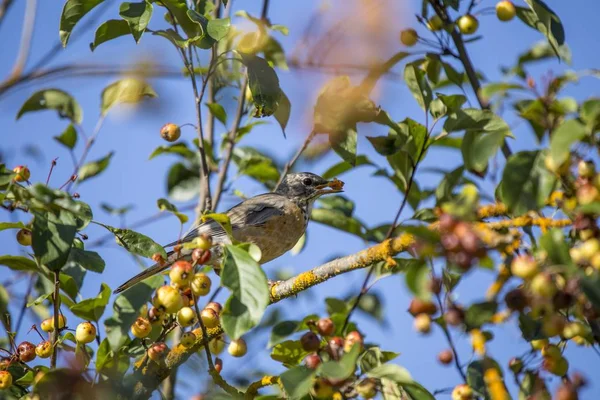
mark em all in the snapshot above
pixel 333 186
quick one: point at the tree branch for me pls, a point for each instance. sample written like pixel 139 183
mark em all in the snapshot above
pixel 26 36
pixel 151 374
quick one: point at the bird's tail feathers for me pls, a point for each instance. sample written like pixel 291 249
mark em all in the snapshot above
pixel 149 272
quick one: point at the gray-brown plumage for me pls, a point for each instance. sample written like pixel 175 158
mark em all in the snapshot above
pixel 272 221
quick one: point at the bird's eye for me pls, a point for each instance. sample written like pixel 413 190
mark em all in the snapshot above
pixel 307 181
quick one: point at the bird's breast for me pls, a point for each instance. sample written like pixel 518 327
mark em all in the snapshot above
pixel 277 235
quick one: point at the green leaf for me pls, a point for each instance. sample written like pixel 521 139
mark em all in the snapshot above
pixel 289 352
pixel 343 368
pixel 247 281
pixel 137 16
pixel 344 166
pixel 173 37
pixel 297 381
pixel 89 260
pixel 254 164
pixel 444 190
pixel 218 28
pixel 218 112
pixel 180 10
pixel 18 263
pixel 337 203
pixel 337 219
pixel 116 210
pixel 52 237
pixel 373 357
pixel 417 280
pixel 499 89
pixel 283 111
pixel 263 83
pixel 109 30
pixel 543 19
pixel 556 247
pixel 402 164
pixel 480 313
pixel 564 137
pixel 182 182
pixel 345 144
pixel 128 90
pixel 281 330
pixel 591 287
pixel 526 183
pixel 94 168
pixel 53 99
pixel 393 372
pixel 135 242
pixel 165 205
pixel 126 308
pixel 417 83
pixel 72 12
pixel 92 309
pixel 530 329
pixel 221 219
pixel 68 138
pixel 177 148
pixel 11 225
pixel 274 53
pixel 417 392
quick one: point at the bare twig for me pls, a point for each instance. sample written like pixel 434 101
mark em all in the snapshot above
pixel 456 358
pixel 230 142
pixel 26 36
pixel 88 145
pixel 290 164
pixel 55 332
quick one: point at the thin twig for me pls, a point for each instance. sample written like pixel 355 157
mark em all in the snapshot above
pixel 88 145
pixel 230 142
pixel 290 164
pixel 26 36
pixel 456 359
pixel 55 332
pixel 52 165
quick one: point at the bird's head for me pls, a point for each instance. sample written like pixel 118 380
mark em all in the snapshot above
pixel 305 186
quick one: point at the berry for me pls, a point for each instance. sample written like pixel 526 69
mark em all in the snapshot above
pixel 310 341
pixel 186 317
pixel 435 285
pixel 200 284
pixel 216 345
pixel 181 273
pixel 462 392
pixel 5 380
pixel 141 328
pixel 435 23
pixel 543 285
pixel 237 348
pixel 553 325
pixel 325 327
pixel 203 242
pixel 47 325
pixel 516 300
pixel 201 257
pixel 538 344
pixel 312 361
pixel 215 306
pixel 44 349
pixel 85 332
pixel 423 323
pixel 409 37
pixel 158 351
pixel 24 237
pixel 322 389
pixel 586 169
pixel 218 365
pixel 573 329
pixel 26 351
pixel 467 24
pixel 524 266
pixel 454 316
pixel 551 351
pixel 188 339
pixel 418 306
pixel 170 132
pixel 566 391
pixel 158 258
pixel 367 388
pixel 590 248
pixel 209 318
pixel 23 173
pixel 155 315
pixel 351 339
pixel 167 298
pixel 505 10
pixel 516 365
pixel 445 357
pixel 586 194
pixel 335 347
pixel 556 366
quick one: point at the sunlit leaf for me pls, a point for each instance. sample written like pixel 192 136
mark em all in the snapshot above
pixel 53 99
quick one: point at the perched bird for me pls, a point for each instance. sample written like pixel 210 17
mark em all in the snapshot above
pixel 272 221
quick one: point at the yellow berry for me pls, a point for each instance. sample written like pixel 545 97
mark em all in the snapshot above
pixel 23 173
pixel 467 24
pixel 505 10
pixel 409 37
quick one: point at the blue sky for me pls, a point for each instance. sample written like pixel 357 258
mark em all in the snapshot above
pixel 132 179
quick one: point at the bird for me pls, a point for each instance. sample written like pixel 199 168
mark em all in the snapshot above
pixel 272 221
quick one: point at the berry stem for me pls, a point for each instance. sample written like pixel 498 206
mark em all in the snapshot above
pixel 55 332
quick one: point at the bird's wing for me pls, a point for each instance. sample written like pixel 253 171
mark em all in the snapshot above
pixel 252 212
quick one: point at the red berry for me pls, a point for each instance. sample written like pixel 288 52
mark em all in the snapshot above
pixel 26 352
pixel 312 361
pixel 325 327
pixel 445 357
pixel 23 173
pixel 215 306
pixel 353 338
pixel 158 351
pixel 181 273
pixel 310 342
pixel 218 365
